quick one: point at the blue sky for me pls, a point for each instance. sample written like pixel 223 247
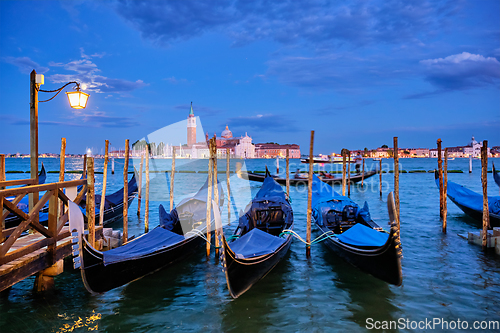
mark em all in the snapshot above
pixel 356 72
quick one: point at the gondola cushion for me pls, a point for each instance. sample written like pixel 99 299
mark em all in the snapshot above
pixel 255 243
pixel 360 235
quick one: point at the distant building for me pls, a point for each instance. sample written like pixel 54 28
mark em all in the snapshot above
pixel 191 128
pixel 239 147
pixel 472 149
pixel 273 150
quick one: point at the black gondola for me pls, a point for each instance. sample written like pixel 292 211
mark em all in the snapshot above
pixel 471 203
pixel 496 176
pixel 355 178
pixel 179 234
pixel 256 246
pixel 354 236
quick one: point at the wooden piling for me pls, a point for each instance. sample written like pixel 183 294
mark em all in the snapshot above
pixel 470 163
pixel 277 166
pixel 445 187
pixel 349 175
pixel 209 195
pixel 440 173
pixel 90 200
pixel 380 177
pixel 216 194
pixel 172 177
pixel 125 193
pixel 288 172
pixel 309 195
pixel 146 203
pixel 343 171
pixel 363 172
pixel 61 171
pixel 484 181
pixel 113 165
pixel 2 171
pixel 104 182
pixel 228 187
pixel 139 193
pixel 84 173
pixel 396 181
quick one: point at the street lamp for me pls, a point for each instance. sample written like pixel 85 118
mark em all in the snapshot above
pixel 77 100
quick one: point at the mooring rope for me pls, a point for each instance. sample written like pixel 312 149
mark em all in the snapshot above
pixel 319 239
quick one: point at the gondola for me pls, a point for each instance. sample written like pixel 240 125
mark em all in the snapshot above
pixel 178 235
pixel 471 203
pixel 256 245
pixel 355 178
pixel 322 160
pixel 113 206
pixel 354 236
pixel 496 176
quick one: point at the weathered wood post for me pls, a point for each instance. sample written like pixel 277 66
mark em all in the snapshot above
pixel 84 173
pixel 113 165
pixel 484 181
pixel 309 195
pixel 172 177
pixel 380 177
pixel 2 172
pixel 288 172
pixel 228 187
pixel 396 181
pixel 139 194
pixel 349 175
pixel 277 166
pixel 440 173
pixel 209 195
pixel 343 170
pixel 33 197
pixel 445 187
pixel 363 172
pixel 146 204
pixel 470 163
pixel 104 183
pixel 90 201
pixel 61 171
pixel 125 193
pixel 216 194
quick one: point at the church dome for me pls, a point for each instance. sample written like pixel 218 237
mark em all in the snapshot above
pixel 471 144
pixel 227 134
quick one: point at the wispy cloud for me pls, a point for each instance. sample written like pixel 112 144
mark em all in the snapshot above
pixel 26 65
pixel 263 123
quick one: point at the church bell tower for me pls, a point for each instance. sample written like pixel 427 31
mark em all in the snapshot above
pixel 191 128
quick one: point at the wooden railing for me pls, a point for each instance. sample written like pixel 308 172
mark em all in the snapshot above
pixel 54 195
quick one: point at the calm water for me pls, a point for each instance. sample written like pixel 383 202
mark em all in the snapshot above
pixel 444 276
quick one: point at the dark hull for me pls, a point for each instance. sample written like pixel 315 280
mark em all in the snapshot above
pixel 478 215
pixel 99 278
pixel 383 262
pixel 242 274
pixel 303 181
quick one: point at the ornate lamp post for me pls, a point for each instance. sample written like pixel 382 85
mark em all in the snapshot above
pixel 77 100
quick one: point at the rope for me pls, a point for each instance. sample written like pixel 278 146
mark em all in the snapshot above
pixel 199 233
pixel 319 239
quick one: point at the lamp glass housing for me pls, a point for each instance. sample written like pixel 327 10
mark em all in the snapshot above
pixel 77 99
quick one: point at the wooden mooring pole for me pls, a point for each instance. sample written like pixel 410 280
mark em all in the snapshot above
pixel 172 177
pixel 90 200
pixel 349 175
pixel 343 170
pixel 209 196
pixel 396 181
pixel 2 172
pixel 228 151
pixel 139 193
pixel 125 193
pixel 445 188
pixel 113 165
pixel 484 181
pixel 363 173
pixel 61 171
pixel 309 195
pixel 440 173
pixel 380 177
pixel 288 172
pixel 104 183
pixel 146 203
pixel 216 195
pixel 470 163
pixel 84 172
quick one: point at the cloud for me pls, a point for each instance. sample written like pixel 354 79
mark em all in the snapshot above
pixel 173 80
pixel 462 71
pixel 87 71
pixel 263 123
pixel 289 22
pixel 26 65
